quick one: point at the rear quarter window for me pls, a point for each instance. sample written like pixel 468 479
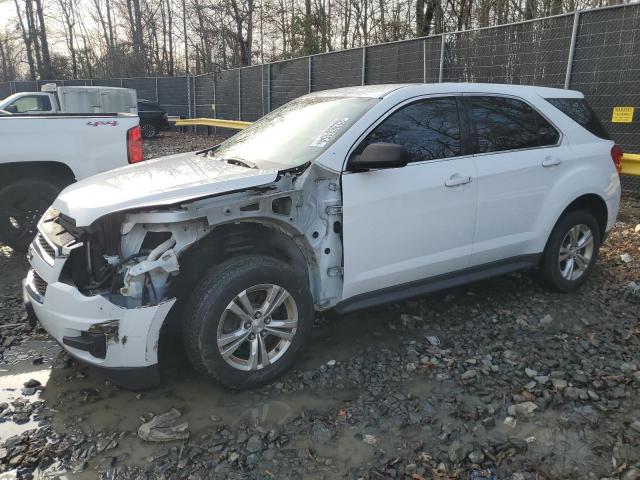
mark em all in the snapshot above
pixel 581 112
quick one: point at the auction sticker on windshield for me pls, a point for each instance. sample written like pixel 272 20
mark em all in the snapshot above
pixel 328 133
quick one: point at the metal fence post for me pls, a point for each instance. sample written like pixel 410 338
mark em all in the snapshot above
pixel 157 97
pixel 188 96
pixel 364 64
pixel 572 49
pixel 309 73
pixel 424 60
pixel 195 95
pixel 268 87
pixel 262 87
pixel 443 44
pixel 239 94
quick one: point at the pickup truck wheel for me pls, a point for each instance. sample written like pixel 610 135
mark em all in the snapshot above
pixel 246 321
pixel 571 252
pixel 149 130
pixel 22 203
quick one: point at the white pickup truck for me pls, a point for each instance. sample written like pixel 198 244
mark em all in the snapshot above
pixel 76 99
pixel 41 155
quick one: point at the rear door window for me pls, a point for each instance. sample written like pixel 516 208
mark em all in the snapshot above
pixel 429 129
pixel 501 124
pixel 581 112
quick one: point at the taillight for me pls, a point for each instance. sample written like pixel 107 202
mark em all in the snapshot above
pixel 616 156
pixel 134 145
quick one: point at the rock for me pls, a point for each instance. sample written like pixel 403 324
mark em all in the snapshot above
pixel 628 368
pixel 626 258
pixel 530 372
pixel 254 444
pixel 635 425
pixel 31 383
pixel 469 375
pixel 331 363
pixel 370 439
pixel 321 433
pixel 456 451
pixel 476 456
pixel 525 408
pixel 518 476
pixel 28 391
pixel 433 340
pixel 160 428
pixel 542 379
pixel 411 367
pixel 573 393
pixel 510 422
pixel 559 383
pixel 233 456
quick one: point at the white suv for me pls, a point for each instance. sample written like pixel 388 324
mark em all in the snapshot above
pixel 340 199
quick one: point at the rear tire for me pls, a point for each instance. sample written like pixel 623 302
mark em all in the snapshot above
pixel 571 252
pixel 22 204
pixel 148 129
pixel 229 332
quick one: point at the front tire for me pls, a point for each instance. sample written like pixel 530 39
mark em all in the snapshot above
pixel 571 252
pixel 22 204
pixel 246 321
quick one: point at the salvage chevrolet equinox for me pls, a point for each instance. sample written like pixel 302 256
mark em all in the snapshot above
pixel 340 199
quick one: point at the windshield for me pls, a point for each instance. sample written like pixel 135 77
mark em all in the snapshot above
pixel 295 133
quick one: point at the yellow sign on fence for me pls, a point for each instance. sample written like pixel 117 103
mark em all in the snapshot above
pixel 622 114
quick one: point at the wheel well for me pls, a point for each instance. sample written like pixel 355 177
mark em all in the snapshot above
pixel 232 240
pixel 55 171
pixel 593 204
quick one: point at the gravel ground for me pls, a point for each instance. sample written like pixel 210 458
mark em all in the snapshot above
pixel 168 143
pixel 499 379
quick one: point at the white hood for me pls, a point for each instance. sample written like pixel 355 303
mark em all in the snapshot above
pixel 163 181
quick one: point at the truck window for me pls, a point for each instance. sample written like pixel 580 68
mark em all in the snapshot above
pixel 32 103
pixel 581 112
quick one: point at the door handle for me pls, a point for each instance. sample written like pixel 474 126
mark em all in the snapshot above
pixel 455 180
pixel 551 162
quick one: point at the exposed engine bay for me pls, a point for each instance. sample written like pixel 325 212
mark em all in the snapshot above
pixel 133 259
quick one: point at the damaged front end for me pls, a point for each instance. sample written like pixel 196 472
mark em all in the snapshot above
pixel 105 290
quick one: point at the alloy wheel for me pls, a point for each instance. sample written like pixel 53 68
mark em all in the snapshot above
pixel 576 252
pixel 257 327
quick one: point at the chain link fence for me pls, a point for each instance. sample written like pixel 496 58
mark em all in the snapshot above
pixel 595 51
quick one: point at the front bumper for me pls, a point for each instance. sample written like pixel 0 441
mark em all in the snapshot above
pixel 122 342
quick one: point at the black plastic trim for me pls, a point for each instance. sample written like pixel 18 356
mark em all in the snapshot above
pixel 439 282
pixel 132 378
pixel 93 342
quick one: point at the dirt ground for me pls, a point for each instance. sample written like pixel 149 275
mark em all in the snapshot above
pixel 498 379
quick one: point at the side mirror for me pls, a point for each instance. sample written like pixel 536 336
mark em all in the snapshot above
pixel 380 155
pixel 11 109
